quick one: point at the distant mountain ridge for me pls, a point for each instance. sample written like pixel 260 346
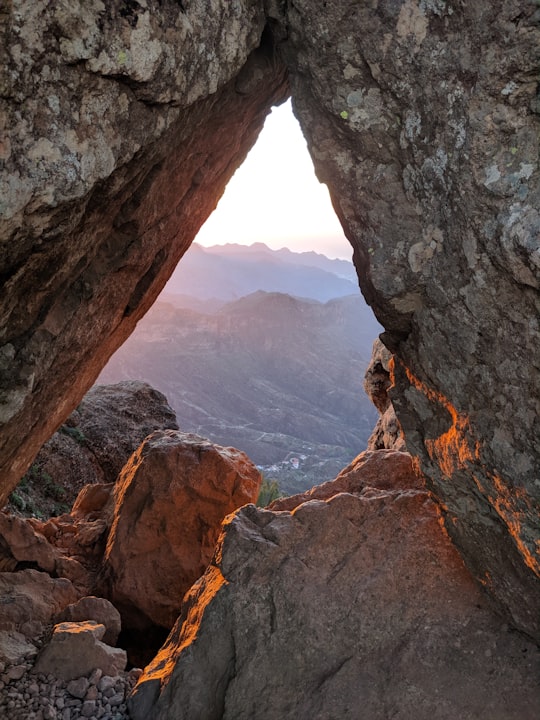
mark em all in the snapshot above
pixel 227 272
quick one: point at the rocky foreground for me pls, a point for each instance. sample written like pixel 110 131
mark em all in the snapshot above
pixel 349 596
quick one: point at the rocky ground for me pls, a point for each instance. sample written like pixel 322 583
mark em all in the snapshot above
pixel 25 695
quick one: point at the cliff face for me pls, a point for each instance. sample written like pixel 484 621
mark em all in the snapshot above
pixel 125 123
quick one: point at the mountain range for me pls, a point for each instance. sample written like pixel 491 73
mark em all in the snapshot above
pixel 228 272
pixel 277 376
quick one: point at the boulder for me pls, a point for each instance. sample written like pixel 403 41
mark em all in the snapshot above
pixel 75 649
pixel 29 597
pixel 170 500
pixel 21 541
pixel 92 446
pixel 97 609
pixel 357 604
pixel 115 419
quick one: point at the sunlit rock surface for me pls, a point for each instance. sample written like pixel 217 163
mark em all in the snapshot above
pixel 169 502
pixel 124 124
pixel 355 605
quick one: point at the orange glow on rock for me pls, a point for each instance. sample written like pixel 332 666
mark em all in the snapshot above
pixel 456 450
pixel 199 597
pixel 451 451
pixel 505 500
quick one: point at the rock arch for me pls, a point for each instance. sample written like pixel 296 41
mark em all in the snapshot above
pixel 124 125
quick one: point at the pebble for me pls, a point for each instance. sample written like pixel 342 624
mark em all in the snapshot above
pixel 28 696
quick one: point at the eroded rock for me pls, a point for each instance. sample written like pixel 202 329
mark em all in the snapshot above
pixel 30 599
pixel 387 432
pixel 356 602
pixel 170 501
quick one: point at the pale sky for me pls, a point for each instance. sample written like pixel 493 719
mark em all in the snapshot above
pixel 275 197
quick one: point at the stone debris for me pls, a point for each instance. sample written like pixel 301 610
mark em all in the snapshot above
pixel 29 696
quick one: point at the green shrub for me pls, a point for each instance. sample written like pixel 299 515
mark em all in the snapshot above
pixel 75 433
pixel 17 501
pixel 268 493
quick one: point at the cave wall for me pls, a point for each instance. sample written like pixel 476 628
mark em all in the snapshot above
pixel 124 123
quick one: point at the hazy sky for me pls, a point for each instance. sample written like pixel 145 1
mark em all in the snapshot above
pixel 275 197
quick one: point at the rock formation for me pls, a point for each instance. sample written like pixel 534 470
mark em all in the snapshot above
pixel 92 446
pixel 124 124
pixel 359 601
pixel 126 121
pixel 76 650
pixel 169 503
pixel 387 433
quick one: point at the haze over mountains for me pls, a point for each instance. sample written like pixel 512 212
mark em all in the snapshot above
pixel 228 272
pixel 277 376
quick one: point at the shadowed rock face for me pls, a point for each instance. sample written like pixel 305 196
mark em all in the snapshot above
pixel 422 117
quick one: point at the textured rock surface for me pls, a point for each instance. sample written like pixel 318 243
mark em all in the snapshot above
pixel 92 445
pixel 422 117
pixel 170 501
pixel 97 609
pixel 75 650
pixel 358 602
pixel 387 432
pixel 30 599
pixel 123 125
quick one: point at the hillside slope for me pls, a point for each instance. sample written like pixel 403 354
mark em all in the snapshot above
pixel 275 376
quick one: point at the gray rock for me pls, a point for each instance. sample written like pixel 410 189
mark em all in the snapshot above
pixel 425 129
pixel 75 650
pixel 357 602
pixel 14 647
pixel 78 687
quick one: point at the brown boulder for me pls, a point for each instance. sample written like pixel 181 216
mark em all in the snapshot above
pixel 115 419
pixel 355 606
pixel 170 501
